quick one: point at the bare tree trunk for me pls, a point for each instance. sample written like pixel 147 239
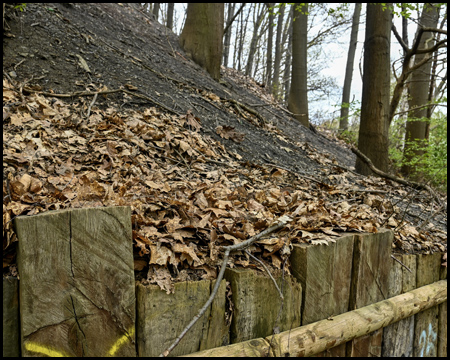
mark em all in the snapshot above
pixel 276 65
pixel 269 46
pixel 416 126
pixel 170 7
pixel 241 43
pixel 374 126
pixel 202 35
pixel 227 35
pixel 298 95
pixel 156 10
pixel 236 41
pixel 254 41
pixel 288 57
pixel 343 121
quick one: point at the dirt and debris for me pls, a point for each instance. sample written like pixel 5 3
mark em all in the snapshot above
pixel 102 107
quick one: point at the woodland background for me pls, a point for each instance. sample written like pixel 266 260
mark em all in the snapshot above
pixel 258 41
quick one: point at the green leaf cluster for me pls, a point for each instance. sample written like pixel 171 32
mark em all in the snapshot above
pixel 20 7
pixel 432 165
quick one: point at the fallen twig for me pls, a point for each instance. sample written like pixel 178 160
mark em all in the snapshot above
pixel 407 268
pixel 246 108
pixel 91 105
pixel 96 93
pixel 413 184
pixel 386 175
pixel 268 272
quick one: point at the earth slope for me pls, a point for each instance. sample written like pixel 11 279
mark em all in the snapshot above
pixel 202 163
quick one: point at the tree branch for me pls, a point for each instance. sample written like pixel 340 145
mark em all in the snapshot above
pixel 413 184
pixel 232 19
pixel 282 221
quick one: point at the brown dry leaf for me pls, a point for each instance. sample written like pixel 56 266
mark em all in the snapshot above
pixel 276 261
pixel 211 273
pixel 161 276
pixel 173 224
pixel 159 254
pixel 228 132
pixel 254 205
pixel 139 265
pixel 329 231
pixel 188 252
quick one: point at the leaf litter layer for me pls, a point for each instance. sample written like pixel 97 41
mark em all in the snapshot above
pixel 191 186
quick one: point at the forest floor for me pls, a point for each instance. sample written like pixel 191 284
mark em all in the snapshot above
pixel 202 163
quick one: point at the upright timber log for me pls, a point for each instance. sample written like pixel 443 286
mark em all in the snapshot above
pixel 77 283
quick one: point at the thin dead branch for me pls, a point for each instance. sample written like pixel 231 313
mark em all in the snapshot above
pixel 282 221
pixel 407 268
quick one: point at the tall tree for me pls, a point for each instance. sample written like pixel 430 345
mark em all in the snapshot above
pixel 276 65
pixel 227 34
pixel 170 7
pixel 269 46
pixel 202 35
pixel 287 38
pixel 343 121
pixel 418 119
pixel 254 42
pixel 242 32
pixel 156 10
pixel 374 126
pixel 298 95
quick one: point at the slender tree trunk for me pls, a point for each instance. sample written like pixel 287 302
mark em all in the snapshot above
pixel 236 42
pixel 343 121
pixel 227 37
pixel 254 41
pixel 241 44
pixel 156 10
pixel 417 124
pixel 262 53
pixel 374 126
pixel 288 57
pixel 202 35
pixel 269 46
pixel 276 65
pixel 298 95
pixel 170 7
pixel 404 29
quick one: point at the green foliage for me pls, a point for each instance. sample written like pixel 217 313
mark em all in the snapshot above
pixel 20 7
pixel 299 8
pixel 432 165
pixel 339 10
pixel 349 136
pixel 406 12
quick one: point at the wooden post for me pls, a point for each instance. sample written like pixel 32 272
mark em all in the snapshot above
pixel 11 332
pixel 257 304
pixel 398 337
pixel 161 318
pixel 426 323
pixel 77 283
pixel 442 333
pixel 370 279
pixel 325 273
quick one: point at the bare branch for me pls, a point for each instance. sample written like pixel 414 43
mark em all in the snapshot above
pixel 282 221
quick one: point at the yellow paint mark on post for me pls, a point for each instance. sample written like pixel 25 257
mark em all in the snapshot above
pixel 43 349
pixel 122 340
